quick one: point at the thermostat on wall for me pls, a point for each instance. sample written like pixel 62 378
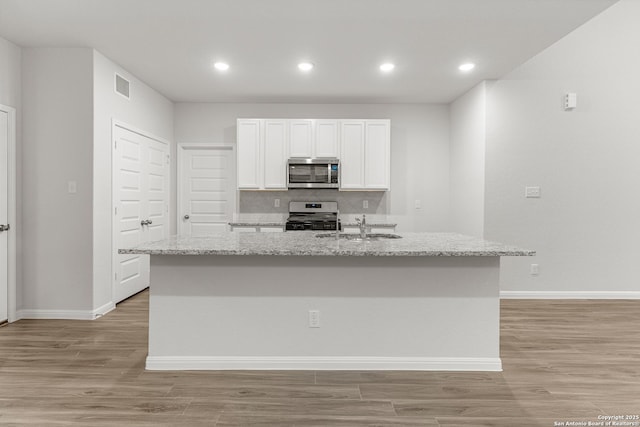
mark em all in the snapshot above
pixel 570 101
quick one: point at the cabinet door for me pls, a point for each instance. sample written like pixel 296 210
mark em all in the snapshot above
pixel 275 154
pixel 377 155
pixel 249 162
pixel 326 140
pixel 300 138
pixel 352 154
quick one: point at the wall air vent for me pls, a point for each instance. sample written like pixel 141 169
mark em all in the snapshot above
pixel 122 86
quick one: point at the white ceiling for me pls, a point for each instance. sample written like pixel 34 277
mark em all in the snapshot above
pixel 171 44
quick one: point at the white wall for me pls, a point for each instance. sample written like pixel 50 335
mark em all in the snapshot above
pixel 57 89
pixel 146 110
pixel 10 58
pixel 11 95
pixel 586 226
pixel 419 148
pixel 467 151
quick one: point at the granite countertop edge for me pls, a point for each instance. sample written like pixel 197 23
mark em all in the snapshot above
pixel 332 253
pixel 304 243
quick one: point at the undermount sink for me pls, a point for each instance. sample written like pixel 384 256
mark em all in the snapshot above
pixel 356 237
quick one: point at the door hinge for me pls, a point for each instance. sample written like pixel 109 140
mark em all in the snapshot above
pixel 115 210
pixel 168 159
pixel 115 276
pixel 115 144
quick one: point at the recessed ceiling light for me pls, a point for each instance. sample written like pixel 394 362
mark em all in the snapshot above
pixel 221 66
pixel 386 67
pixel 467 67
pixel 305 66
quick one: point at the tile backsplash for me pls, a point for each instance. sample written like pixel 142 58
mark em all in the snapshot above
pixel 260 206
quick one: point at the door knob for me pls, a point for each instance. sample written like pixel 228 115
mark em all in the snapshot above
pixel 144 222
pixel 4 227
pixel 149 222
pixel 186 217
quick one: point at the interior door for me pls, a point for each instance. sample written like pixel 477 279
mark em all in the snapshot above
pixel 141 205
pixel 206 189
pixel 156 178
pixel 4 215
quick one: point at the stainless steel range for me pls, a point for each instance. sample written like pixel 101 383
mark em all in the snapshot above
pixel 313 216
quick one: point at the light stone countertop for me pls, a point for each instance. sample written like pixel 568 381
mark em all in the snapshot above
pixel 282 224
pixel 370 224
pixel 256 224
pixel 304 243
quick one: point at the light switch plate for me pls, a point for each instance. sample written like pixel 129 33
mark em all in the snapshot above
pixel 417 204
pixel 276 203
pixel 72 187
pixel 314 318
pixel 532 192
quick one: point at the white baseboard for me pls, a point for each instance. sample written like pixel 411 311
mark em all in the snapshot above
pixel 570 294
pixel 168 363
pixel 106 308
pixel 66 314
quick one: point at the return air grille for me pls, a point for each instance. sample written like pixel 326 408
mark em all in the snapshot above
pixel 122 86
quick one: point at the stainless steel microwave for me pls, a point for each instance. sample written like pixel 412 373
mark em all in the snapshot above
pixel 313 173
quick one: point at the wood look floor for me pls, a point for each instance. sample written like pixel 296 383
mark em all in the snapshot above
pixel 563 361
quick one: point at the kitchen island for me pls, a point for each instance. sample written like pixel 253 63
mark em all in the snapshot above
pixel 426 301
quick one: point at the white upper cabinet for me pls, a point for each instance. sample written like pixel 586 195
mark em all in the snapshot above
pixel 262 154
pixel 365 155
pixel 275 154
pixel 300 138
pixel 249 155
pixel 377 155
pixel 326 139
pixel 352 154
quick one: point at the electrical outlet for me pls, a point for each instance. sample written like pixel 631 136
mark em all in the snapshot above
pixel 532 192
pixel 365 204
pixel 276 203
pixel 535 269
pixel 314 318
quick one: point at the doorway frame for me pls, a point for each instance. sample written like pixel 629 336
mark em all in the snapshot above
pixel 181 148
pixel 12 262
pixel 115 123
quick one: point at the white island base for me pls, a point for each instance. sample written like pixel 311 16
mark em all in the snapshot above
pixel 376 313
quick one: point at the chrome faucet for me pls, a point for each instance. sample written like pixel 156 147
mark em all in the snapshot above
pixel 362 223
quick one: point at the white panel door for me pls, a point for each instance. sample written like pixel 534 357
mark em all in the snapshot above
pixel 140 188
pixel 249 157
pixel 206 190
pixel 352 154
pixel 275 154
pixel 156 178
pixel 4 216
pixel 326 141
pixel 300 138
pixel 377 151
